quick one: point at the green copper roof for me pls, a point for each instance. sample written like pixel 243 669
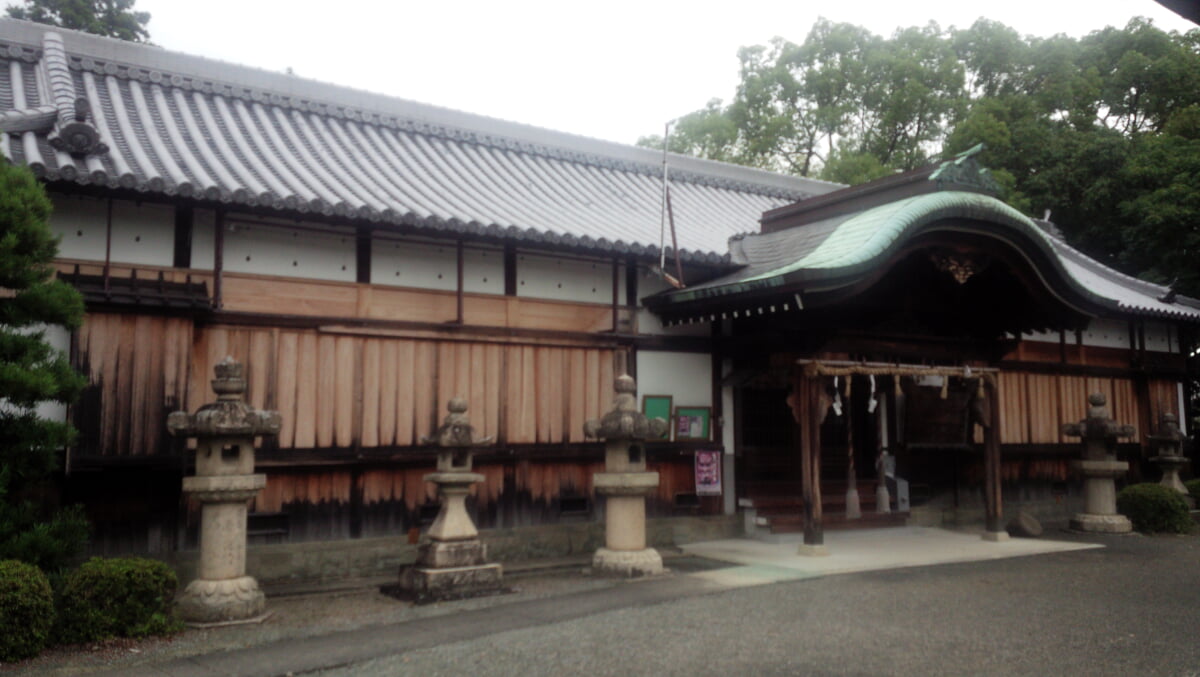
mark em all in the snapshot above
pixel 869 234
pixel 842 249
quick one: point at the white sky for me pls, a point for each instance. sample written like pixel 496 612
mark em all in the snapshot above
pixel 615 69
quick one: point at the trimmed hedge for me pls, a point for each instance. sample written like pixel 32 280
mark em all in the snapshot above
pixel 118 597
pixel 26 610
pixel 1154 508
pixel 1193 487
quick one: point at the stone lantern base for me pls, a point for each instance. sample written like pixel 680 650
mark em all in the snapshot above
pixel 450 570
pixel 233 600
pixel 1104 524
pixel 628 563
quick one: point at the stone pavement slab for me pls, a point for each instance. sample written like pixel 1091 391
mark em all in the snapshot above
pixel 752 563
pixel 860 550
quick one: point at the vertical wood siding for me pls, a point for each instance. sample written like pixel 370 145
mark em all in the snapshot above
pixel 333 391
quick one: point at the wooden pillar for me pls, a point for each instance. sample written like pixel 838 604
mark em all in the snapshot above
pixel 807 410
pixel 994 520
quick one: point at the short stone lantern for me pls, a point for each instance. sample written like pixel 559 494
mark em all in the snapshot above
pixel 1169 458
pixel 1100 467
pixel 452 563
pixel 625 483
pixel 223 483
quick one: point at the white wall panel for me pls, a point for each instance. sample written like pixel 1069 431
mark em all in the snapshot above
pixel 686 377
pixel 435 266
pixel 142 234
pixel 1160 338
pixel 546 277
pixel 1105 333
pixel 204 221
pixel 648 322
pixel 80 222
pixel 293 252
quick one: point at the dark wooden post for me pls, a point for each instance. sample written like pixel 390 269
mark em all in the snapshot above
pixel 806 409
pixel 991 463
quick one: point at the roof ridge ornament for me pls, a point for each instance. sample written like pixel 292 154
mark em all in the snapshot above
pixel 73 134
pixel 964 171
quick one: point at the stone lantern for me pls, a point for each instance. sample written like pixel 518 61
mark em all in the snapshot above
pixel 224 482
pixel 1169 456
pixel 1100 467
pixel 452 563
pixel 625 483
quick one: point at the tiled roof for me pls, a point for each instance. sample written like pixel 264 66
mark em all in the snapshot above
pixel 839 250
pixel 171 124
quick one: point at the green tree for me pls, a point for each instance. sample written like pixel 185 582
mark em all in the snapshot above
pixel 110 18
pixel 32 372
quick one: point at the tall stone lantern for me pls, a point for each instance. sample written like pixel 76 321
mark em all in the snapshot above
pixel 452 563
pixel 223 483
pixel 1100 468
pixel 625 483
pixel 1169 458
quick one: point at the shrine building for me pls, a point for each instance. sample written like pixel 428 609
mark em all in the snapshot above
pixel 367 258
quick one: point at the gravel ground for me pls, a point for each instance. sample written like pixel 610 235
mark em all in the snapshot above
pixel 294 616
pixel 1132 608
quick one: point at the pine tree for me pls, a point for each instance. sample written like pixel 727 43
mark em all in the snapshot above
pixel 32 372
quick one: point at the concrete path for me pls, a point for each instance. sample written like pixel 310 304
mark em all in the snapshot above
pixel 860 550
pixel 753 563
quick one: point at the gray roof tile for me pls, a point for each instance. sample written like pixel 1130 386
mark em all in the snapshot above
pixel 193 127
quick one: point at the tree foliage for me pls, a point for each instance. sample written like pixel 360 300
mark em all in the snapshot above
pixel 32 372
pixel 1103 131
pixel 110 18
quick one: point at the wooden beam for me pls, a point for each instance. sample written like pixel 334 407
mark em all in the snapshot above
pixel 184 220
pixel 991 440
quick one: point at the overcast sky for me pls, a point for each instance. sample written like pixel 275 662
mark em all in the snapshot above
pixel 615 69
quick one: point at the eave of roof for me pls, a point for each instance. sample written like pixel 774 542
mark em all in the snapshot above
pixel 186 126
pixel 839 251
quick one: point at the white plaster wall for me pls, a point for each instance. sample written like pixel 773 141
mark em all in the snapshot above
pixel 648 322
pixel 435 266
pixel 1105 333
pixel 142 234
pixel 292 252
pixel 686 377
pixel 203 223
pixel 546 277
pixel 60 339
pixel 1160 338
pixel 80 222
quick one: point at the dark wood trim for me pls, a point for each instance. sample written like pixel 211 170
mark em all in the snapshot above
pixel 218 257
pixel 184 226
pixel 1089 370
pixel 362 256
pixel 631 282
pixel 994 508
pixel 510 270
pixel 459 283
pixel 616 296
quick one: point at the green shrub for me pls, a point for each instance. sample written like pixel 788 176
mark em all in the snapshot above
pixel 119 597
pixel 1193 487
pixel 1154 508
pixel 26 610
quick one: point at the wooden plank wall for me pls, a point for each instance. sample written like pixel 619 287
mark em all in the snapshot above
pixel 271 295
pixel 1034 406
pixel 336 391
pixel 139 370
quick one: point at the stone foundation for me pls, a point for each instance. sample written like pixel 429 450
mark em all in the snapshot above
pixel 232 599
pixel 304 562
pixel 1105 524
pixel 627 563
pixel 428 585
